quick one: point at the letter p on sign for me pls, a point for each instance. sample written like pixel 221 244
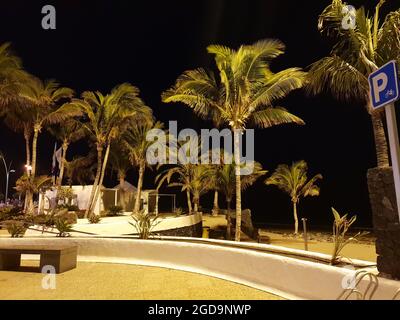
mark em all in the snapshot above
pixel 384 87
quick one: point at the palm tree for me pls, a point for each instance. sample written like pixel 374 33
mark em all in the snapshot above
pixel 293 181
pixel 70 131
pixel 136 143
pixel 192 178
pixel 119 161
pixel 40 101
pixel 107 117
pixel 356 53
pixel 80 169
pixel 10 75
pixel 243 95
pixel 223 178
pixel 41 98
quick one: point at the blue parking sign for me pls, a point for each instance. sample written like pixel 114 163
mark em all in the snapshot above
pixel 384 85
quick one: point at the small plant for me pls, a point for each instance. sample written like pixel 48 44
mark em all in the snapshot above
pixel 15 228
pixel 63 227
pixel 178 212
pixel 114 211
pixel 340 227
pixel 94 219
pixel 144 224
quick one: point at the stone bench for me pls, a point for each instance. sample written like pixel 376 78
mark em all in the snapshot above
pixel 62 258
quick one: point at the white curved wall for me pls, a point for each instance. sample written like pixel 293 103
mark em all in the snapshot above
pixel 114 226
pixel 288 277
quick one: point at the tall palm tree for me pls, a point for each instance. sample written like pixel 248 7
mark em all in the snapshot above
pixel 356 53
pixel 41 98
pixel 243 95
pixel 293 181
pixel 70 131
pixel 107 117
pixel 136 143
pixel 223 178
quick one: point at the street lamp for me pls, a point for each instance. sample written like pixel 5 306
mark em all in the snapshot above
pixel 8 171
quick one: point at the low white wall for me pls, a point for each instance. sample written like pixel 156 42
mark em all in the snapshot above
pixel 115 226
pixel 288 277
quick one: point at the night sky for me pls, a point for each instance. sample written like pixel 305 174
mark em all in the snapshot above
pixel 99 44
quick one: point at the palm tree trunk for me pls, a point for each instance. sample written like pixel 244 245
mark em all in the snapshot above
pixel 121 178
pixel 381 147
pixel 62 166
pixel 29 195
pixel 142 168
pixel 236 151
pixel 296 220
pixel 96 179
pixel 215 207
pixel 196 201
pixel 27 137
pixel 228 219
pixel 34 149
pixel 189 202
pixel 103 171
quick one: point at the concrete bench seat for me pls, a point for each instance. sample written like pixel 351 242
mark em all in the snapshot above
pixel 61 257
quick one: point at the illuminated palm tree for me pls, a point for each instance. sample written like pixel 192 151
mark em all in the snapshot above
pixel 41 98
pixel 293 181
pixel 107 117
pixel 136 143
pixel 243 95
pixel 40 101
pixel 357 52
pixel 70 131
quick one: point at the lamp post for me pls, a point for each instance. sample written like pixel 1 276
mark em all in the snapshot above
pixel 8 171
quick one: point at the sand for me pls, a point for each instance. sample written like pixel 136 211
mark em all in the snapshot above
pixel 117 281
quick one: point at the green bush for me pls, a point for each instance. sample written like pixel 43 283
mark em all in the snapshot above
pixel 9 212
pixel 70 217
pixel 15 228
pixel 63 227
pixel 46 220
pixel 144 224
pixel 114 211
pixel 94 219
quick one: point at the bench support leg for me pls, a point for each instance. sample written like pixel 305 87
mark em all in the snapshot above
pixel 10 261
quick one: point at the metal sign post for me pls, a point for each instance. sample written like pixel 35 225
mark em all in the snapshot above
pixel 394 149
pixel 384 91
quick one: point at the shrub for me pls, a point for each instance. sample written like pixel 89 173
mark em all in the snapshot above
pixel 114 211
pixel 144 223
pixel 9 212
pixel 178 212
pixel 80 214
pixel 16 228
pixel 340 227
pixel 70 217
pixel 63 227
pixel 94 219
pixel 46 220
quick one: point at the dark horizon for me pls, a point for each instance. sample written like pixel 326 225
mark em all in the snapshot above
pixel 98 45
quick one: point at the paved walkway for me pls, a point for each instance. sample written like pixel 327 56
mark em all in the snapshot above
pixel 117 281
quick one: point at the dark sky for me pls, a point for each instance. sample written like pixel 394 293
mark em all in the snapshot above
pixel 99 44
